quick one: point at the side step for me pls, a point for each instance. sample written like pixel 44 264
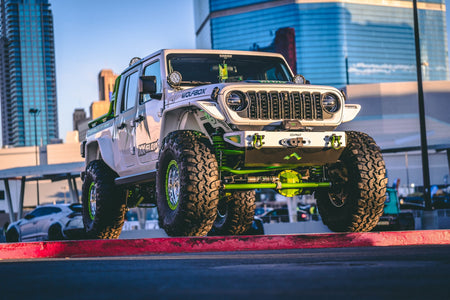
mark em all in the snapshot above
pixel 144 177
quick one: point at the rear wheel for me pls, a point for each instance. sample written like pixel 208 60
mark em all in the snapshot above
pixel 235 213
pixel 187 185
pixel 104 206
pixel 356 200
pixel 55 233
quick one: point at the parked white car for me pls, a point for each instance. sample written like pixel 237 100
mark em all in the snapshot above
pixel 48 222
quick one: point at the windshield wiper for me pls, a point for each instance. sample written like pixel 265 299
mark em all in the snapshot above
pixel 268 81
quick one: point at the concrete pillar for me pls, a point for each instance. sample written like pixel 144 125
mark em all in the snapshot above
pixel 142 217
pixel 292 209
pixel 12 217
pixel 430 219
pixel 21 197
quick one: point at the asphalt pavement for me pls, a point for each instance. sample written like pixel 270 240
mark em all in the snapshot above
pixel 409 272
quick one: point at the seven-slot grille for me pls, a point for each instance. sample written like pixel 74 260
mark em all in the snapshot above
pixel 274 105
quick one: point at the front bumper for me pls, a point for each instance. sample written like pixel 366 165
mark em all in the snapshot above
pixel 276 148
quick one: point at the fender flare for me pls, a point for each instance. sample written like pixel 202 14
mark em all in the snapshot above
pixel 179 119
pixel 101 148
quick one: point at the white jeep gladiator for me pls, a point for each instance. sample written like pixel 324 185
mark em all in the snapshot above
pixel 195 132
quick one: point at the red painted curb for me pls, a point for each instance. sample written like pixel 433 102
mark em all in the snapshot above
pixel 104 248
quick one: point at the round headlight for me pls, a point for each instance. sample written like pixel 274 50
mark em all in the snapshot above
pixel 330 103
pixel 174 79
pixel 299 79
pixel 236 101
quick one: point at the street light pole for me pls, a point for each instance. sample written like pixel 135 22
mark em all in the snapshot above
pixel 423 131
pixel 35 112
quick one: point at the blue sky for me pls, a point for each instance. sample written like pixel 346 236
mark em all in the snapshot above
pixel 91 35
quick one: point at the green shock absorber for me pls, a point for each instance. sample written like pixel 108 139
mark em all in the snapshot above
pixel 219 147
pixel 317 171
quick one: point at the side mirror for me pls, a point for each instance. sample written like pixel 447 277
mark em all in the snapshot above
pixel 148 85
pixel 29 217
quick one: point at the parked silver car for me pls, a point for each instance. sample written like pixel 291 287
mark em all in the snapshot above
pixel 48 222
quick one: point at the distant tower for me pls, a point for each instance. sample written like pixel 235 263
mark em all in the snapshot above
pixel 106 79
pixel 79 115
pixel 27 73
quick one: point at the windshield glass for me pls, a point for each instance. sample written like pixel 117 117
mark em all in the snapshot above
pixel 197 69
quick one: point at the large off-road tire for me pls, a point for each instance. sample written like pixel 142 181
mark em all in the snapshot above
pixel 235 213
pixel 104 205
pixel 356 199
pixel 187 185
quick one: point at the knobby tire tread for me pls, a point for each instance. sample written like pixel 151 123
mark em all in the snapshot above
pixel 110 206
pixel 365 189
pixel 240 210
pixel 199 185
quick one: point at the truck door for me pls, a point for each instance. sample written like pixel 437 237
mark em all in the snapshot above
pixel 125 124
pixel 148 120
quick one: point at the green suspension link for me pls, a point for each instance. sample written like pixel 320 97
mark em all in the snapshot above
pixel 219 147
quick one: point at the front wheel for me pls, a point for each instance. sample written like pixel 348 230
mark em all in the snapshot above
pixel 103 202
pixel 356 199
pixel 12 236
pixel 187 185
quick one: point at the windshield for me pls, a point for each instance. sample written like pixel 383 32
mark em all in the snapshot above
pixel 197 69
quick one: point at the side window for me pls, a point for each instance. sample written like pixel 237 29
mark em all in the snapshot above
pixel 153 70
pixel 130 94
pixel 54 210
pixel 37 212
pixel 46 211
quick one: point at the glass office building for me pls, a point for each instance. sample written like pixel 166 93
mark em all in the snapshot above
pixel 338 42
pixel 27 73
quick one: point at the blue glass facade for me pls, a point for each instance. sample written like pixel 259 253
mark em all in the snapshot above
pixel 338 42
pixel 28 81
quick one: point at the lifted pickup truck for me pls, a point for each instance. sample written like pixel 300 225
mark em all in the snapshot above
pixel 195 132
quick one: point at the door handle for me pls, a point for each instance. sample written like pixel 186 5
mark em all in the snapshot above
pixel 122 125
pixel 139 119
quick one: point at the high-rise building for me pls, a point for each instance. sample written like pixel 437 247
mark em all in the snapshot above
pixel 338 42
pixel 27 73
pixel 79 115
pixel 106 80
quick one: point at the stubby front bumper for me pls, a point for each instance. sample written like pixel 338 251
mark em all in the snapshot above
pixel 278 148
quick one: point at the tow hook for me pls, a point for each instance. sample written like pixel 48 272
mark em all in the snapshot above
pixel 335 142
pixel 257 142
